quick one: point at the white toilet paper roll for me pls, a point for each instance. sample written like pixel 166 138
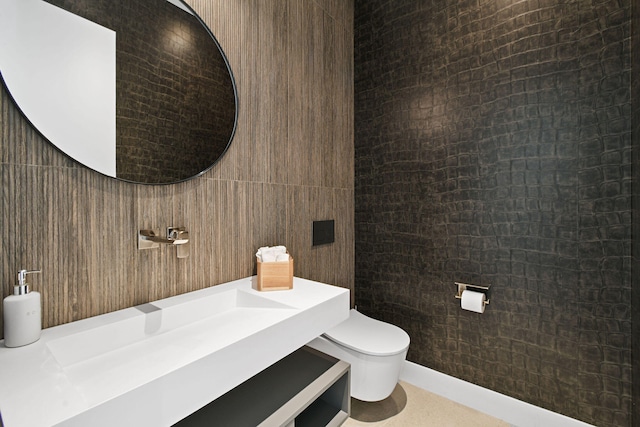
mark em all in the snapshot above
pixel 473 301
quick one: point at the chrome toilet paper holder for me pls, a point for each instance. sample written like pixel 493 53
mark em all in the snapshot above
pixel 479 288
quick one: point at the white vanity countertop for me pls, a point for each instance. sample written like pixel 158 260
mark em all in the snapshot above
pixel 154 364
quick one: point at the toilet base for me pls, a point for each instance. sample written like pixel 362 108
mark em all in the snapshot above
pixel 373 378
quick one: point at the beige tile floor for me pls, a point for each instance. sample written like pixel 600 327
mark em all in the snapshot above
pixel 410 406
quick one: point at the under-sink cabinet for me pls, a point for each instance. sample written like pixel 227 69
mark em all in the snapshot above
pixel 305 389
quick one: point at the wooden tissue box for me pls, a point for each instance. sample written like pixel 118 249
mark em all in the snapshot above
pixel 275 276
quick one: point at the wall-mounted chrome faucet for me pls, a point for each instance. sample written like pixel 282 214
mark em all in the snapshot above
pixel 179 236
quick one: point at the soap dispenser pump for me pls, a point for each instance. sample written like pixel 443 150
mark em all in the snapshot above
pixel 22 314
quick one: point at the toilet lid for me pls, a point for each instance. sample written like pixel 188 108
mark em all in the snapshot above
pixel 369 336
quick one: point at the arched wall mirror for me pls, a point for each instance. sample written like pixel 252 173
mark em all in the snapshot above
pixel 137 90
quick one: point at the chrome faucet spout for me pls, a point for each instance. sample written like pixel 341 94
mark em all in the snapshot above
pixel 148 239
pixel 150 236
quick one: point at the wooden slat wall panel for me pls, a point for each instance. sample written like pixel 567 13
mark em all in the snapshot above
pixel 340 11
pixel 291 163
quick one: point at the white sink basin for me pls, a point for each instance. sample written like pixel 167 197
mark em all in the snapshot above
pixel 158 338
pixel 154 364
pixel 224 313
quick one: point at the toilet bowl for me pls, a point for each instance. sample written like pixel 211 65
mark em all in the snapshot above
pixel 376 351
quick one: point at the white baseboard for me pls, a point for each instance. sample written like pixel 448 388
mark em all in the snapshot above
pixel 514 411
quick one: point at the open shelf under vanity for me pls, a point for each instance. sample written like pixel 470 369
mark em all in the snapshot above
pixel 305 389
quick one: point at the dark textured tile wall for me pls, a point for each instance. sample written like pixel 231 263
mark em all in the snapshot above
pixel 635 269
pixel 493 146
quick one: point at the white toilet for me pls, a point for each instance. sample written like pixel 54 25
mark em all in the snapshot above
pixel 376 351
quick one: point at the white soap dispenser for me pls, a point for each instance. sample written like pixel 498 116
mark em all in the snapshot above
pixel 22 314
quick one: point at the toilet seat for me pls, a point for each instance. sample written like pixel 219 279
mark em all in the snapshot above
pixel 369 336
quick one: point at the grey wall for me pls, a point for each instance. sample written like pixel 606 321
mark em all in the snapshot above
pixel 493 146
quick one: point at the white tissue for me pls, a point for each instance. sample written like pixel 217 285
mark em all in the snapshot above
pixel 272 254
pixel 282 257
pixel 473 301
pixel 268 256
